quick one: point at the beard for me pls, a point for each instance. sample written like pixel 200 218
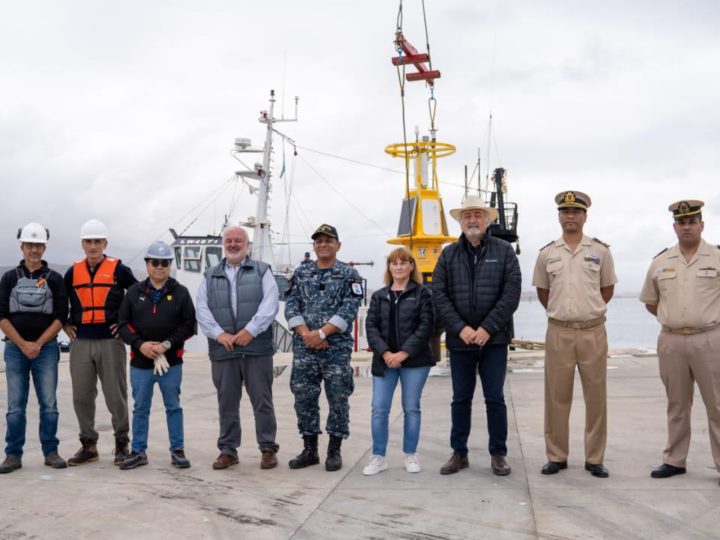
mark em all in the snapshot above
pixel 474 233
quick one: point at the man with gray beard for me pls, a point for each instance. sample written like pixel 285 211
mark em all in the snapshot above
pixel 476 289
pixel 236 305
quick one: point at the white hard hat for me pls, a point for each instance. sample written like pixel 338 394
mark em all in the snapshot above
pixel 93 229
pixel 159 250
pixel 33 233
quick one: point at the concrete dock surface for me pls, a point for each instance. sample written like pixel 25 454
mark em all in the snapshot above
pixel 157 501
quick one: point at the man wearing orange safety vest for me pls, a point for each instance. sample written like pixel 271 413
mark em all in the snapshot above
pixel 96 286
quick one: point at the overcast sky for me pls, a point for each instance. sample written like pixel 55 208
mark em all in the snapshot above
pixel 126 112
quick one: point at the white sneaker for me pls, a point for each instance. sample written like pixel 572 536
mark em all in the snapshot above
pixel 412 463
pixel 377 464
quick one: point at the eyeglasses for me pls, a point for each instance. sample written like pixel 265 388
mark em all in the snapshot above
pixel 158 262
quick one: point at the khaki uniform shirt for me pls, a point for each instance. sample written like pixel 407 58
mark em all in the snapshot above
pixel 687 294
pixel 575 279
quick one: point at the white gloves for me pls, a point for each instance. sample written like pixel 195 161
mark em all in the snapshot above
pixel 161 365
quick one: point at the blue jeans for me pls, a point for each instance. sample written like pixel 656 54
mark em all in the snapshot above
pixel 143 382
pixel 412 381
pixel 44 370
pixel 490 362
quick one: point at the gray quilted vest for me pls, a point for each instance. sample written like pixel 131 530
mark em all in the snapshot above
pixel 249 295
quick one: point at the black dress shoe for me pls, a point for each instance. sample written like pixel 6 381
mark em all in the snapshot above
pixel 554 467
pixel 666 471
pixel 598 470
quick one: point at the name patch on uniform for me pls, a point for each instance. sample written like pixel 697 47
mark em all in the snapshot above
pixel 708 271
pixel 552 259
pixel 592 258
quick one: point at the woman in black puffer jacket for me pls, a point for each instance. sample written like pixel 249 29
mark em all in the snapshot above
pixel 399 326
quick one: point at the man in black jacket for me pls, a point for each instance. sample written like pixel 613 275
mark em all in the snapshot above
pixel 33 308
pixel 476 289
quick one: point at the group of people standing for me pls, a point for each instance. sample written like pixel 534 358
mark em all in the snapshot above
pixel 100 305
pixel 474 291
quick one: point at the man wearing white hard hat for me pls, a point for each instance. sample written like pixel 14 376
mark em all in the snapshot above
pixel 33 309
pixel 156 317
pixel 476 289
pixel 96 286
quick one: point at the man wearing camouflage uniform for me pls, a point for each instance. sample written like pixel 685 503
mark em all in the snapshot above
pixel 321 305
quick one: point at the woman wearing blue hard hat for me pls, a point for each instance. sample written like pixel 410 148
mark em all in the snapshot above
pixel 156 317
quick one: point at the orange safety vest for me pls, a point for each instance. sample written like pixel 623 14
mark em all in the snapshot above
pixel 92 291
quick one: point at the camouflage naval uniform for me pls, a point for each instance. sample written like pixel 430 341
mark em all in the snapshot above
pixel 316 297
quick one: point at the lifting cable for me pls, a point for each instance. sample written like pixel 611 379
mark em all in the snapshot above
pixel 407 54
pixel 432 102
pixel 401 81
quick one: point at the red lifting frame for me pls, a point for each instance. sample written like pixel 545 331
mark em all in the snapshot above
pixel 412 56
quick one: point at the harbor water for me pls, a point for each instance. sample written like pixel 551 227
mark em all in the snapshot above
pixel 629 325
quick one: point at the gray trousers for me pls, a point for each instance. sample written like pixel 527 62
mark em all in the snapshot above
pixel 105 359
pixel 256 372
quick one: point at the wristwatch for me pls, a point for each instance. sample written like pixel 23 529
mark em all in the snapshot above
pixel 321 334
pixel 167 344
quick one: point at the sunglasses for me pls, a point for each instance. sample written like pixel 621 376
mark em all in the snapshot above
pixel 157 262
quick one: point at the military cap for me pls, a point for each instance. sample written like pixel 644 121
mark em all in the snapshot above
pixel 327 230
pixel 688 208
pixel 573 199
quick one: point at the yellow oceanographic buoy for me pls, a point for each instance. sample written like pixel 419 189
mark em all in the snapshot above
pixel 423 228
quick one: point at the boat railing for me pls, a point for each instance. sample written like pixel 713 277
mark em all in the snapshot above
pixel 282 338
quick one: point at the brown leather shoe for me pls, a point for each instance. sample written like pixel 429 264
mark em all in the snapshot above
pixel 500 465
pixel 454 464
pixel 268 459
pixel 224 461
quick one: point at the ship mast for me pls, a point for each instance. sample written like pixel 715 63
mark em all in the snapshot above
pixel 260 223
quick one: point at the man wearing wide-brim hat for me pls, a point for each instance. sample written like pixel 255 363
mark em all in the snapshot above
pixel 476 289
pixel 575 279
pixel 682 289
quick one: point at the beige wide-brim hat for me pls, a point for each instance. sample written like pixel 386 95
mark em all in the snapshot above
pixel 473 202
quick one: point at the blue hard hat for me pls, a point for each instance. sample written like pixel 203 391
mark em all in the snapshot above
pixel 159 250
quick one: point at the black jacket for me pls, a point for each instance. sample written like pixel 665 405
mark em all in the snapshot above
pixel 489 300
pixel 172 318
pixel 414 324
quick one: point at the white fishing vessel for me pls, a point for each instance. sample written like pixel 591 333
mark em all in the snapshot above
pixel 195 254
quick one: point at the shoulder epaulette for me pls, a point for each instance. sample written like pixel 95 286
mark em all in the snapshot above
pixel 664 250
pixel 601 242
pixel 546 245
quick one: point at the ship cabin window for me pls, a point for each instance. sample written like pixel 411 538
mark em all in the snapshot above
pixel 178 257
pixel 213 256
pixel 191 258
